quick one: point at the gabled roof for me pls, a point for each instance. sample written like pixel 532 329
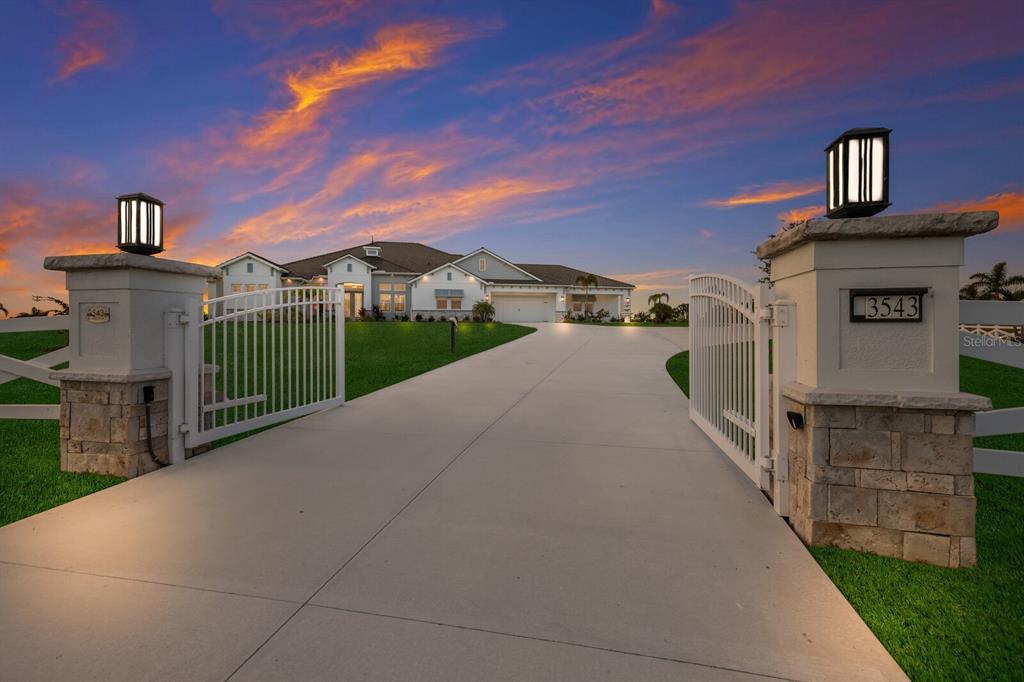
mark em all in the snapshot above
pixel 347 255
pixel 450 265
pixel 250 254
pixel 408 257
pixel 562 275
pixel 494 255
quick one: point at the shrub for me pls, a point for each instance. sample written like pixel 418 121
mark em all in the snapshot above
pixel 430 319
pixel 362 313
pixel 662 312
pixel 483 310
pixel 419 317
pixel 601 314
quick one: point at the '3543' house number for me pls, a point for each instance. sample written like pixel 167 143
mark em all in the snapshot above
pixel 887 305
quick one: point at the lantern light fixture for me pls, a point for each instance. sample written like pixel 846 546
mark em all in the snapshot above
pixel 140 224
pixel 857 173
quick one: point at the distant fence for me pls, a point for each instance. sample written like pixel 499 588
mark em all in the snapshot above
pixel 37 369
pixel 994 331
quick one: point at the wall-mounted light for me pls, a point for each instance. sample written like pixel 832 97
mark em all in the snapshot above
pixel 140 224
pixel 857 173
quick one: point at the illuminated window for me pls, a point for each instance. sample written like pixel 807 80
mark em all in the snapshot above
pixel 385 286
pixel 399 303
pixel 385 303
pixel 250 287
pixel 236 288
pixel 262 287
pixel 456 303
pixel 442 303
pixel 399 286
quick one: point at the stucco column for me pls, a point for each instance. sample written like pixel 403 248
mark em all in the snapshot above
pixel 125 356
pixel 883 459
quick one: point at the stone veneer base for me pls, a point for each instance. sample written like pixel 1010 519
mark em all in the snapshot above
pixel 103 424
pixel 893 481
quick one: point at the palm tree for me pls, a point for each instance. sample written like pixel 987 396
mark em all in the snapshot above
pixel 586 281
pixel 656 298
pixel 4 310
pixel 995 285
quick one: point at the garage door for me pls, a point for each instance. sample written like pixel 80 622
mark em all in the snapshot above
pixel 524 308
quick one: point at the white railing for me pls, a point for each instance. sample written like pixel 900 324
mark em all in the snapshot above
pixel 37 369
pixel 992 330
pixel 257 358
pixel 729 331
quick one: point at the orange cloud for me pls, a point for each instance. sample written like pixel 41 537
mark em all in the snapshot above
pixel 768 194
pixel 799 215
pixel 1009 204
pixel 264 20
pixel 87 44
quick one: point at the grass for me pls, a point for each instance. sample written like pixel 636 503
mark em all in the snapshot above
pixel 939 623
pixel 948 624
pixel 377 355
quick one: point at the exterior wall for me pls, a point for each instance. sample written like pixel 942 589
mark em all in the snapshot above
pixel 338 276
pixel 237 274
pixel 495 268
pixel 891 481
pixel 423 292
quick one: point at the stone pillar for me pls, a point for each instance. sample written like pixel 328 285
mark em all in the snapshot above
pixel 121 361
pixel 883 461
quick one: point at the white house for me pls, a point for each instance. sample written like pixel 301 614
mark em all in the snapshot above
pixel 409 279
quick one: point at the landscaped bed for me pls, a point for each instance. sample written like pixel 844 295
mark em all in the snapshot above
pixel 377 355
pixel 940 623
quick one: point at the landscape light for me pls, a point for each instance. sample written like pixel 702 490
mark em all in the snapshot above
pixel 857 173
pixel 140 224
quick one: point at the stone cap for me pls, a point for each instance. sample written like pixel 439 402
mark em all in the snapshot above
pixel 112 377
pixel 880 227
pixel 912 400
pixel 123 261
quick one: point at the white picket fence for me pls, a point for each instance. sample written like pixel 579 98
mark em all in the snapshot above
pixel 994 331
pixel 36 369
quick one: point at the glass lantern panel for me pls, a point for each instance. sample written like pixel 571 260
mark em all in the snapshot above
pixel 877 164
pixel 853 193
pixel 158 224
pixel 841 165
pixel 831 179
pixel 144 224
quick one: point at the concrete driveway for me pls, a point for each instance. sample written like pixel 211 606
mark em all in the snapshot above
pixel 543 510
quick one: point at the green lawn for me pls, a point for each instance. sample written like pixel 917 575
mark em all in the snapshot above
pixel 377 355
pixel 940 623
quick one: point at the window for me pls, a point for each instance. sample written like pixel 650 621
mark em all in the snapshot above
pixel 248 267
pixel 385 303
pixel 348 267
pixel 483 265
pixel 577 307
pixel 399 286
pixel 262 287
pixel 449 276
pixel 236 288
pixel 250 287
pixel 442 303
pixel 399 303
pixel 385 286
pixel 456 303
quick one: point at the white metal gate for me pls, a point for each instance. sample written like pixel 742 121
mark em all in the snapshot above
pixel 260 357
pixel 729 332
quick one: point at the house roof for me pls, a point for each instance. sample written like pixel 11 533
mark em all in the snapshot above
pixel 561 275
pixel 250 254
pixel 416 258
pixel 395 257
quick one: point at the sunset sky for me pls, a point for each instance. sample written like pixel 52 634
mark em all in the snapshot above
pixel 642 140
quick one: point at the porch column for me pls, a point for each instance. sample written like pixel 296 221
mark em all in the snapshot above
pixel 882 457
pixel 126 354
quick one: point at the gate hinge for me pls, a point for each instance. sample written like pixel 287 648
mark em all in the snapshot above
pixel 184 318
pixel 766 314
pixel 183 428
pixel 778 315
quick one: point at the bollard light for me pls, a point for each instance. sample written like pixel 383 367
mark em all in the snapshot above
pixel 140 224
pixel 857 173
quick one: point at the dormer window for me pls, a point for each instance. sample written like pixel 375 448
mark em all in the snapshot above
pixel 483 265
pixel 372 250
